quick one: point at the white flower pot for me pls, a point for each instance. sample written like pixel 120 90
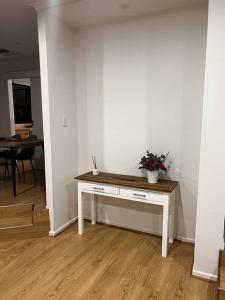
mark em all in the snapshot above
pixel 96 172
pixel 152 176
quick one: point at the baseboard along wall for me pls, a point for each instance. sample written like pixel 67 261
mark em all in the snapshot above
pixel 207 276
pixel 62 228
pixel 195 273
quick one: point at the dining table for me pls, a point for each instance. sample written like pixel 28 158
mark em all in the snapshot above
pixel 13 145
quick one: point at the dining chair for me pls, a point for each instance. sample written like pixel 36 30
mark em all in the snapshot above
pixel 27 154
pixel 6 155
pixel 2 163
pixel 20 155
pixel 7 164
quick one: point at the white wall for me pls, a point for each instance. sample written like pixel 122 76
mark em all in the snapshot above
pixel 57 72
pixel 211 196
pixel 6 101
pixel 12 69
pixel 10 101
pixel 36 104
pixel 5 129
pixel 9 66
pixel 36 107
pixel 139 85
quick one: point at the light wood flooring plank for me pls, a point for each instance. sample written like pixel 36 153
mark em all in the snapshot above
pixel 105 263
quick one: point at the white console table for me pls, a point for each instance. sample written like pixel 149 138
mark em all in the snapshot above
pixel 130 188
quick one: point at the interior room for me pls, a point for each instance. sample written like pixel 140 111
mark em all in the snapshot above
pixel 21 196
pixel 132 97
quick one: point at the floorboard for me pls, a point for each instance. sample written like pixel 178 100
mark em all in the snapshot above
pixel 17 212
pixel 105 263
pixel 222 270
pixel 28 190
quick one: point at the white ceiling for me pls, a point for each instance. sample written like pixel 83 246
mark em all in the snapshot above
pixel 39 4
pixel 18 21
pixel 18 31
pixel 79 13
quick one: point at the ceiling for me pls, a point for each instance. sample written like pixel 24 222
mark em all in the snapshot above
pixel 18 31
pixel 39 4
pixel 18 20
pixel 79 13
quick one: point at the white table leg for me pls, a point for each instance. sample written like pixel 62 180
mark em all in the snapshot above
pixel 93 210
pixel 80 212
pixel 171 225
pixel 165 229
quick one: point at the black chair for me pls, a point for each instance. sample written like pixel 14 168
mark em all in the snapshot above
pixel 27 154
pixel 6 154
pixel 16 137
pixel 7 164
pixel 2 153
pixel 21 155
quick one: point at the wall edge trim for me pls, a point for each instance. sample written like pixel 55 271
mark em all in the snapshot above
pixel 141 229
pixel 63 227
pixel 204 275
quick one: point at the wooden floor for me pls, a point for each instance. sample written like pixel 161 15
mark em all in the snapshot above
pixel 18 211
pixel 222 270
pixel 27 190
pixel 105 263
pixel 221 281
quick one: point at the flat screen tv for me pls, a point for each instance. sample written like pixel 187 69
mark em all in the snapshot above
pixel 22 104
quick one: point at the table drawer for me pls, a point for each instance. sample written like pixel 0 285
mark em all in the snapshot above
pixel 142 195
pixel 100 188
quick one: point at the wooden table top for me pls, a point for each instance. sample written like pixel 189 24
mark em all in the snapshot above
pixel 164 186
pixel 18 144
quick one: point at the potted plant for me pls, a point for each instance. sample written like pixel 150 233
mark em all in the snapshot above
pixel 153 164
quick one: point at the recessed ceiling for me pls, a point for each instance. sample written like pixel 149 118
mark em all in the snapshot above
pixel 79 13
pixel 18 32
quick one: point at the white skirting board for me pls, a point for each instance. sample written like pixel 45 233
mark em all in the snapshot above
pixel 57 231
pixel 141 229
pixel 204 275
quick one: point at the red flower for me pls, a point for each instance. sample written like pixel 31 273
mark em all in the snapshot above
pixel 162 167
pixel 151 165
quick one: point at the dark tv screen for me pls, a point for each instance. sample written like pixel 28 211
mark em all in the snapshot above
pixel 22 104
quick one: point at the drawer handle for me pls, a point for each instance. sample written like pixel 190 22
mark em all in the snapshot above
pixel 98 189
pixel 139 195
